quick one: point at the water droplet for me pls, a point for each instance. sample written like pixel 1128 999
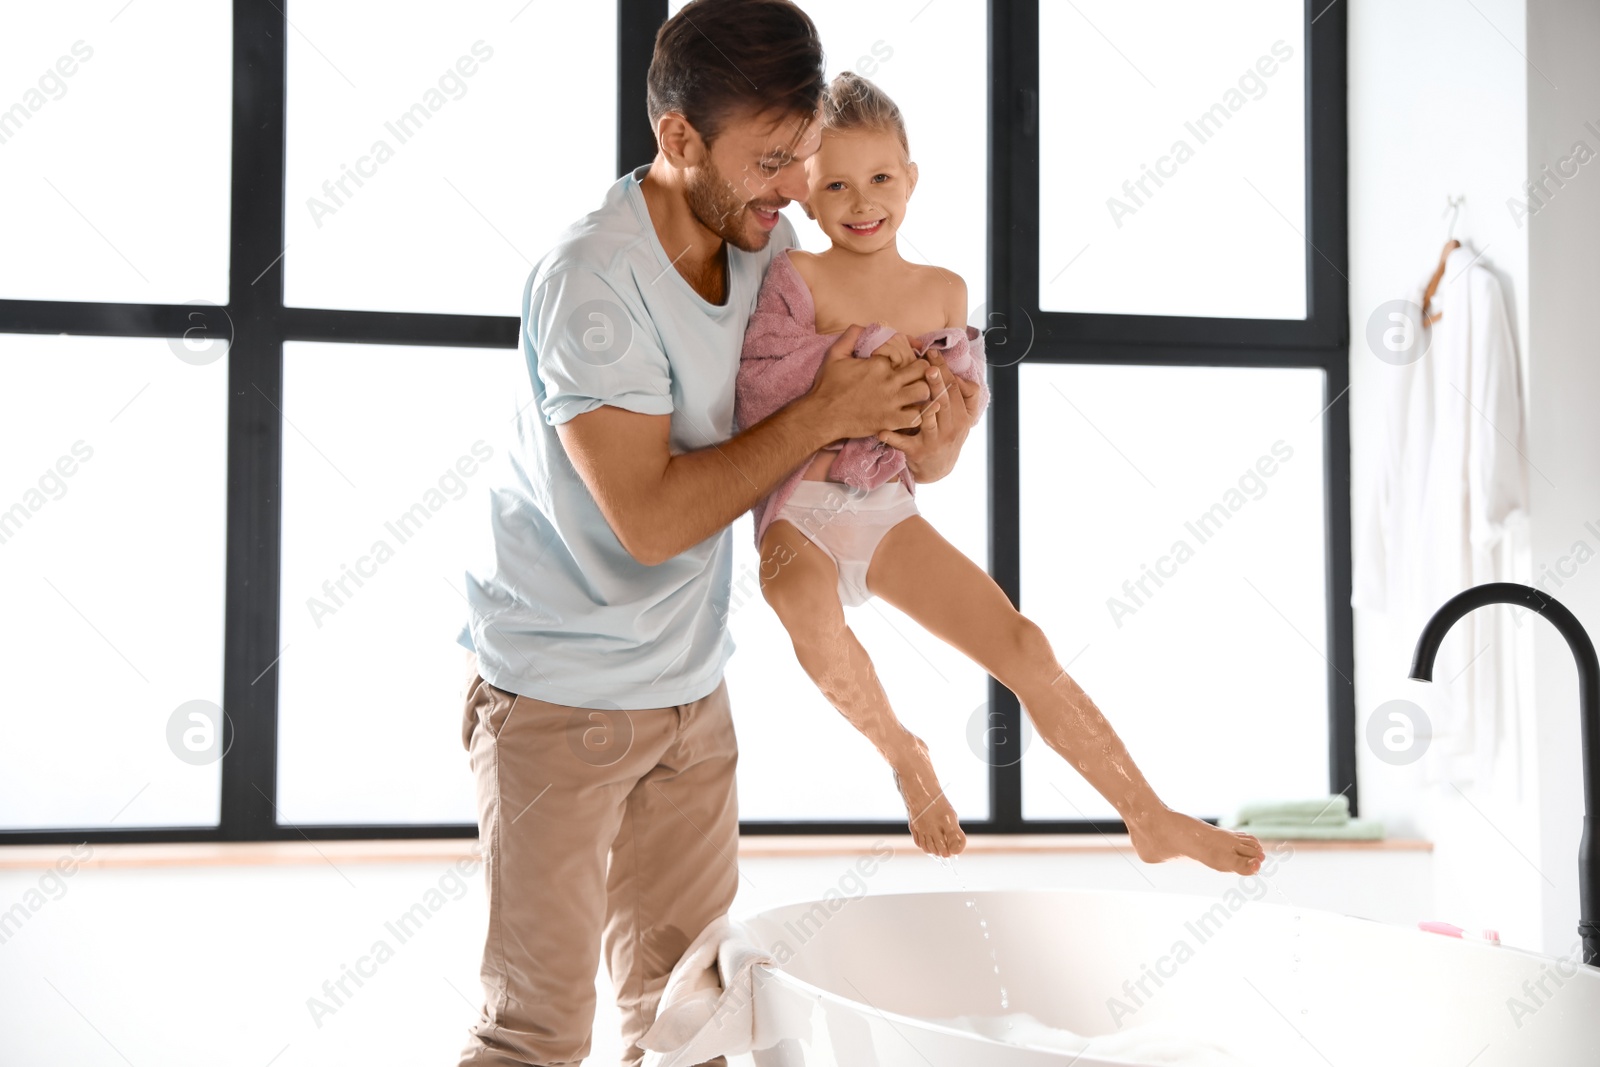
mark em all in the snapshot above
pixel 983 926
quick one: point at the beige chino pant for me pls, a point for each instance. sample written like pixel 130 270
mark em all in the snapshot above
pixel 599 828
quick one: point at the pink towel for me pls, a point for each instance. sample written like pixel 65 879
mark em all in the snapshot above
pixel 782 354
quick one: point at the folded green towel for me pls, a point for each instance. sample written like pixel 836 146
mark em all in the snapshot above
pixel 1351 830
pixel 1320 811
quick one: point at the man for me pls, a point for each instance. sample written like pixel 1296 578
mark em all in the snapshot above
pixel 596 716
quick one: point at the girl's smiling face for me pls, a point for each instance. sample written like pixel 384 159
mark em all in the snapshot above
pixel 859 182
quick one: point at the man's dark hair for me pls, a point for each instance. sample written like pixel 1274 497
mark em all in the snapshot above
pixel 715 58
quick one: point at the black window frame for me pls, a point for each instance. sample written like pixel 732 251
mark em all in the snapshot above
pixel 258 323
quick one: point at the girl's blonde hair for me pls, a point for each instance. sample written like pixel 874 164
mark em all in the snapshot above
pixel 854 103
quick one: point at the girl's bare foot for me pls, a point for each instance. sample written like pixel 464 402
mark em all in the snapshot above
pixel 934 826
pixel 1166 833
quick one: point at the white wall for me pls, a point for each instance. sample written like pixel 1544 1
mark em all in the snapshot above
pixel 1443 102
pixel 1563 40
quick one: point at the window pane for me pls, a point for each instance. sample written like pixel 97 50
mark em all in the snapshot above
pixel 1172 158
pixel 114 128
pixel 112 520
pixel 798 757
pixel 435 153
pixel 1176 560
pixel 385 455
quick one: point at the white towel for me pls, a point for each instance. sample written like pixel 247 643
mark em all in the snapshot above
pixel 708 1006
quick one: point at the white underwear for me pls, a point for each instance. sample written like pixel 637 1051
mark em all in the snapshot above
pixel 847 525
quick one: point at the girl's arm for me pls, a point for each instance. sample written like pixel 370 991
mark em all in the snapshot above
pixel 931 453
pixel 955 302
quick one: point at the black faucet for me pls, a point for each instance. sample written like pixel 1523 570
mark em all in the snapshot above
pixel 1589 699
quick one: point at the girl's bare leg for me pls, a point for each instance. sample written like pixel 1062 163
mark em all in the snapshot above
pixel 802 585
pixel 922 574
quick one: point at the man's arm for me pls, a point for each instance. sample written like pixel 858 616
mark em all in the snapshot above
pixel 660 504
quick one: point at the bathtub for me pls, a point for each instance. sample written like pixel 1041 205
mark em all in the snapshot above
pixel 875 980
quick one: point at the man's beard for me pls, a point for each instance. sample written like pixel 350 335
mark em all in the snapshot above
pixel 716 203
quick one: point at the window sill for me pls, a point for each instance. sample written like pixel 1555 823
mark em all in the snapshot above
pixel 445 850
pixel 1017 844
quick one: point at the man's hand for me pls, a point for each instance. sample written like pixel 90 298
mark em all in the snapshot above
pixel 860 397
pixel 843 348
pixel 931 453
pixel 897 349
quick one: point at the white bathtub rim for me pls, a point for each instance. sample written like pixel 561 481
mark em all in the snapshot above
pixel 1468 944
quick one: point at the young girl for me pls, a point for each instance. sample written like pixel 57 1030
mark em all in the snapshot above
pixel 844 527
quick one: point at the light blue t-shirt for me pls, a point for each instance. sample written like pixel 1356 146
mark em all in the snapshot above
pixel 559 610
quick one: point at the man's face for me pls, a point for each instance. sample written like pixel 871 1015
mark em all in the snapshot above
pixel 754 167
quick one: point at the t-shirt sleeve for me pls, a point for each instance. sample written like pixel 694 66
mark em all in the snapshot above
pixel 588 349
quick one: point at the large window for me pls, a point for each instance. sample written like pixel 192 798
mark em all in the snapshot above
pixel 257 325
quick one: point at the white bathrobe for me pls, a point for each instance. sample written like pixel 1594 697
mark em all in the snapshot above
pixel 1451 479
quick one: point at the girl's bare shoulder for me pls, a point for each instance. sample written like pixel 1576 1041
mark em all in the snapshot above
pixel 953 289
pixel 942 275
pixel 804 262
